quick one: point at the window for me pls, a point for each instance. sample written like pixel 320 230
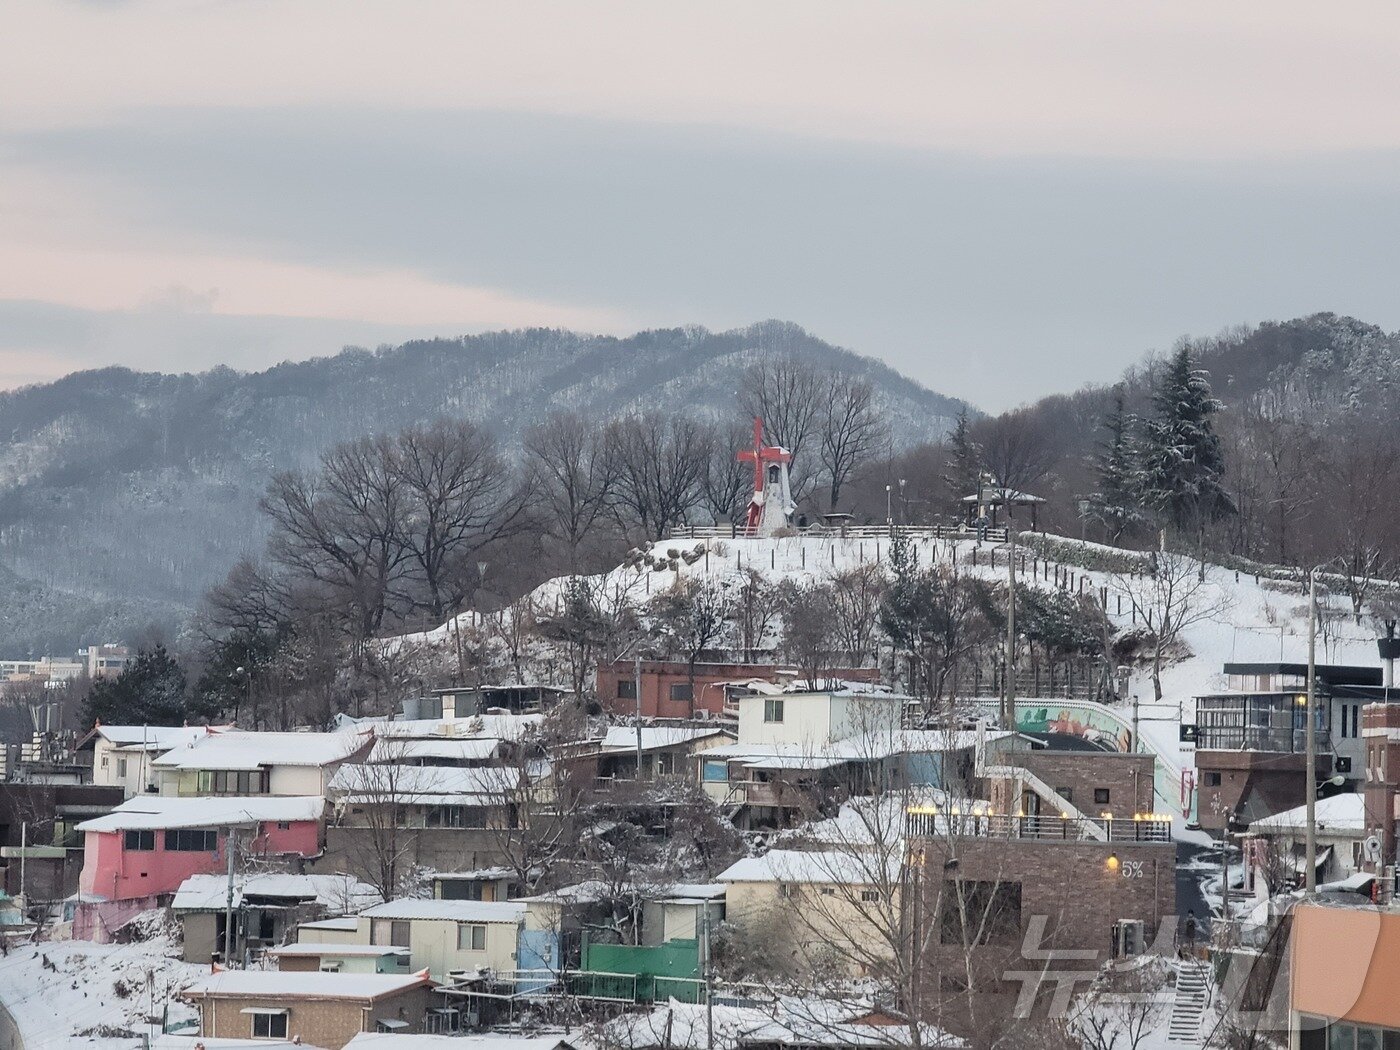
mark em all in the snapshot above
pixel 981 912
pixel 1101 796
pixel 1212 780
pixel 121 767
pixel 828 891
pixel 140 840
pixel 455 817
pixel 389 933
pixel 869 896
pixel 682 691
pixel 192 840
pixel 772 710
pixel 627 689
pixel 104 761
pixel 1065 793
pixel 787 889
pixel 268 1024
pixel 232 782
pixel 284 825
pixel 714 771
pixel 471 937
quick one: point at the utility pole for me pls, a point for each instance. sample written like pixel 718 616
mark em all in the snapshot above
pixel 709 997
pixel 228 903
pixel 1310 839
pixel 23 856
pixel 637 688
pixel 1008 711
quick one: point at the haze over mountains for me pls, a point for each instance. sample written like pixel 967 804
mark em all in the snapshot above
pixel 124 495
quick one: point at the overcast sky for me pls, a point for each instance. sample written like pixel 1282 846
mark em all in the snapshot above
pixel 1001 199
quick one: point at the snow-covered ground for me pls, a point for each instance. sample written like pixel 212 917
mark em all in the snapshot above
pixel 69 993
pixel 1251 620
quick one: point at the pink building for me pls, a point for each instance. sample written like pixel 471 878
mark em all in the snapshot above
pixel 143 850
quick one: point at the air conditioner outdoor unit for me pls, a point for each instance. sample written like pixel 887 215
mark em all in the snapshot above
pixel 703 714
pixel 1129 938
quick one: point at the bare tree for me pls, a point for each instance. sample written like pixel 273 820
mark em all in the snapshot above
pixel 852 430
pixel 458 498
pixel 1176 595
pixel 375 799
pixel 1016 448
pixel 855 609
pixel 727 480
pixel 808 637
pixel 574 474
pixel 660 465
pixel 343 528
pixel 691 616
pixel 754 608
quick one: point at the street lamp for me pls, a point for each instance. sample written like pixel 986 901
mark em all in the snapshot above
pixel 889 507
pixel 903 505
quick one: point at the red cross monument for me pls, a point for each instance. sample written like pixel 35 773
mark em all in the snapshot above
pixel 771 506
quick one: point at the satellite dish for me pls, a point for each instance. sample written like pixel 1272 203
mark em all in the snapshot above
pixel 1372 845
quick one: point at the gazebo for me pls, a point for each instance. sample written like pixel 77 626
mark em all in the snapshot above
pixel 990 498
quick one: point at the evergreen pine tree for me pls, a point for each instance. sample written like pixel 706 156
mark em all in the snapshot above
pixel 1118 501
pixel 1182 463
pixel 149 691
pixel 964 461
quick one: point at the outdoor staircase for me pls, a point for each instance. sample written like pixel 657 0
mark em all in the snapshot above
pixel 1189 1006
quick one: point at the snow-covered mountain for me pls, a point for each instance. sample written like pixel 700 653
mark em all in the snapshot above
pixel 124 495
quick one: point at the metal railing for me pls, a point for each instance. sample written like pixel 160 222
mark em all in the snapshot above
pixel 1036 828
pixel 594 985
pixel 1259 738
pixel 853 532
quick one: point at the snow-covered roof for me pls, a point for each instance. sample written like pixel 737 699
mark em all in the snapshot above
pixel 503 727
pixel 1344 813
pixel 425 785
pixel 476 873
pixel 151 738
pixel 288 984
pixel 689 892
pixel 485 1041
pixel 450 911
pixel 865 821
pixel 239 750
pixel 788 1021
pixel 153 812
pixel 405 749
pixel 192 1042
pixel 865 748
pixel 823 866
pixel 624 738
pixel 340 924
pixel 308 948
pixel 335 892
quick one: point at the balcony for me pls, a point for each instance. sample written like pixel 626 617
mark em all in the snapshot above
pixel 1275 722
pixel 1150 827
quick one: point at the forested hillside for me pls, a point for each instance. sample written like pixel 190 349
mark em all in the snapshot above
pixel 124 495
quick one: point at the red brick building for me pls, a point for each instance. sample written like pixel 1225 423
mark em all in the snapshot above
pixel 668 692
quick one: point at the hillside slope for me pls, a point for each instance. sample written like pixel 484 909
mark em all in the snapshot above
pixel 123 495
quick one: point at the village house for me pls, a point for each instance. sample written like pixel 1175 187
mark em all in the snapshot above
pixel 146 847
pixel 770 899
pixel 477 884
pixel 267 909
pixel 233 762
pixel 323 1009
pixel 38 833
pixel 673 689
pixel 1251 739
pixel 799 755
pixel 335 957
pixel 1273 849
pixel 449 938
pixel 665 750
pixel 123 755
